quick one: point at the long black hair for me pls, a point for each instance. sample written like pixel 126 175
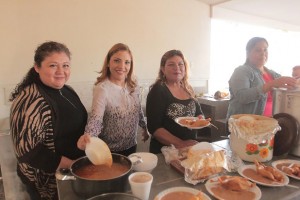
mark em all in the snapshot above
pixel 44 50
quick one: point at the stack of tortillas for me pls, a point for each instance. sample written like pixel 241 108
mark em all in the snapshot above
pixel 254 124
pixel 202 161
pixel 98 152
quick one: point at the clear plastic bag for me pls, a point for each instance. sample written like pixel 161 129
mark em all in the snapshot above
pixel 171 153
pixel 200 167
pixel 233 161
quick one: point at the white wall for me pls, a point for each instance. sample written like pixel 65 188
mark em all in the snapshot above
pixel 90 27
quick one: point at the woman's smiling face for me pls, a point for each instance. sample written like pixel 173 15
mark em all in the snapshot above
pixel 119 67
pixel 174 69
pixel 54 70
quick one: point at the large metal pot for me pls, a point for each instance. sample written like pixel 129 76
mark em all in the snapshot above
pixel 288 101
pixel 87 188
pixel 115 196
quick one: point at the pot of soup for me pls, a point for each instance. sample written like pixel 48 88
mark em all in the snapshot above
pixel 91 180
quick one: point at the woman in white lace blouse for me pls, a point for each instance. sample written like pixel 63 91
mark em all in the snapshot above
pixel 116 108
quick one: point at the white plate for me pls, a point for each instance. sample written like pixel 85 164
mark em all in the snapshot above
pixel 289 162
pixel 190 118
pixel 181 189
pixel 98 152
pixel 213 182
pixel 273 184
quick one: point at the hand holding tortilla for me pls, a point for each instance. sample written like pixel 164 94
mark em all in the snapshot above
pixel 98 152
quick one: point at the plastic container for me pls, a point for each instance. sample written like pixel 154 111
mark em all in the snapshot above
pixel 257 141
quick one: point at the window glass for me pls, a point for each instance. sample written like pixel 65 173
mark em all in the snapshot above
pixel 228 50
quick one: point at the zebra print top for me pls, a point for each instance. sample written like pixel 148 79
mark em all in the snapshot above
pixel 34 132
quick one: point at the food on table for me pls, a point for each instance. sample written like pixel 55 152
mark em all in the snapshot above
pixel 291 169
pixel 194 122
pixel 200 167
pixel 250 172
pixel 182 195
pixel 98 152
pixel 252 136
pixel 255 124
pixel 220 94
pixel 232 188
pixel 268 172
pixel 101 172
pixel 199 148
pixel 235 183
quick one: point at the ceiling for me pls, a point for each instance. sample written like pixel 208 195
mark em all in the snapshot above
pixel 284 11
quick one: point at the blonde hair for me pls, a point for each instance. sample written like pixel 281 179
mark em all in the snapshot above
pixel 105 72
pixel 161 79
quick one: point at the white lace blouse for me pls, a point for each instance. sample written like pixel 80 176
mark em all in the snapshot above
pixel 116 115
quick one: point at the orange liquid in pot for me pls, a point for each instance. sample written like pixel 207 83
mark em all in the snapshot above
pixel 101 172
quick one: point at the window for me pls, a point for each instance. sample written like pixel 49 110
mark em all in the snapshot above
pixel 228 50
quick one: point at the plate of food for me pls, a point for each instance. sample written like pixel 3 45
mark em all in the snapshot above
pixel 290 167
pixel 193 122
pixel 181 193
pixel 264 175
pixel 232 187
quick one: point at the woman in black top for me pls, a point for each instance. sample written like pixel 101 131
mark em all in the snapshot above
pixel 47 118
pixel 171 96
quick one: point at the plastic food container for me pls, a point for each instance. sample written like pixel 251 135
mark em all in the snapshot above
pixel 146 161
pixel 252 136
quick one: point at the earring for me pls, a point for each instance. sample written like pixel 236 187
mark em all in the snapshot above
pixel 164 79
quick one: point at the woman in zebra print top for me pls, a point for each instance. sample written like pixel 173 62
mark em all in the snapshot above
pixel 47 119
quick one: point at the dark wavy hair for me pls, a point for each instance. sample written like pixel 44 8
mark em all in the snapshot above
pixel 161 79
pixel 44 50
